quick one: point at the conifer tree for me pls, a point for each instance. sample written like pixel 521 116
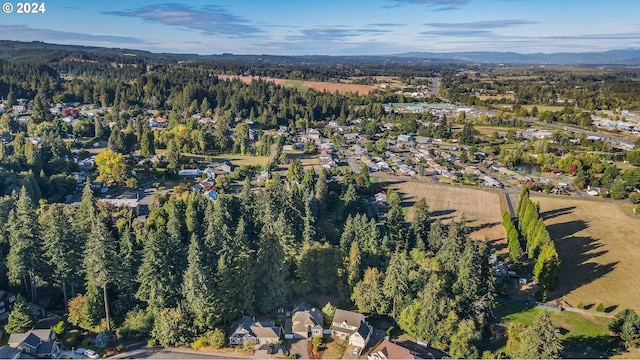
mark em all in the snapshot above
pixel 21 318
pixel 24 238
pixel 62 250
pixel 420 225
pixel 271 272
pixel 540 341
pixel 396 282
pixel 197 289
pixel 101 261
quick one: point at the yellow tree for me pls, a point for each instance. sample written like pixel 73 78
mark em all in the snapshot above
pixel 112 166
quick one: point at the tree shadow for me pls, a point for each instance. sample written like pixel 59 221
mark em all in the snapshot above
pixel 438 213
pixel 482 226
pixel 610 309
pixel 578 254
pixel 591 347
pixel 556 212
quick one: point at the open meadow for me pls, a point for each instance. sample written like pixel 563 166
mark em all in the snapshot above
pixel 481 208
pixel 317 85
pixel 599 248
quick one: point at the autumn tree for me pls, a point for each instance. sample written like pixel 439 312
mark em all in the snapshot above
pixel 112 166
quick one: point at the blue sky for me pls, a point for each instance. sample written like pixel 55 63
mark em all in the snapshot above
pixel 332 27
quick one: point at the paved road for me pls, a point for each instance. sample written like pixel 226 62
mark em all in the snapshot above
pixel 175 353
pixel 577 129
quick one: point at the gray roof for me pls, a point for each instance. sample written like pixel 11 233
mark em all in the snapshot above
pixel 349 317
pixel 7 352
pixel 37 339
pixel 364 330
pixel 303 319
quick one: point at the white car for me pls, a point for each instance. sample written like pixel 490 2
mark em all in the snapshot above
pixel 356 351
pixel 91 354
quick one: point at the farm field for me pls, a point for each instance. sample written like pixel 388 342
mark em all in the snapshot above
pixel 599 248
pixel 497 97
pixel 317 85
pixel 542 108
pixel 481 208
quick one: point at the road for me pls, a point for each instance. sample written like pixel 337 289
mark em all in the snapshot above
pixel 175 353
pixel 579 130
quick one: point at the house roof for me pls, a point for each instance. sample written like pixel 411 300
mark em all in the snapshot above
pixel 363 330
pixel 392 351
pixel 266 332
pixel 349 317
pixel 303 319
pixel 7 352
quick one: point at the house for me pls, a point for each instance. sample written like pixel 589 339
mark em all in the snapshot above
pixel 264 176
pixel 7 299
pixel 37 343
pixel 226 167
pixel 307 323
pixel 210 173
pixel 405 138
pixel 120 203
pixel 388 350
pixel 7 352
pixel 100 186
pixel 352 325
pixel 257 332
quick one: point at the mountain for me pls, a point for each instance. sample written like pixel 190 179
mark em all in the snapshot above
pixel 612 57
pixel 40 51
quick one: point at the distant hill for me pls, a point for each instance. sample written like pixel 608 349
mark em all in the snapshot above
pixel 612 57
pixel 40 51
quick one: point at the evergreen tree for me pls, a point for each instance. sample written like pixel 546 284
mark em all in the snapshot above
pixel 308 231
pixel 158 275
pixel 396 282
pixel 101 261
pixel 62 249
pixel 197 289
pixel 368 294
pixel 147 146
pixel 540 341
pixel 463 341
pixel 174 157
pixel 467 134
pixel 395 228
pixel 24 238
pixel 235 276
pixel 547 267
pixel 129 254
pixel 21 318
pixel 86 213
pixel 420 225
pixel 353 267
pixel 271 272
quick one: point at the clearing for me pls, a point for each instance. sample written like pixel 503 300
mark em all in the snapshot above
pixel 582 336
pixel 481 208
pixel 599 248
pixel 301 84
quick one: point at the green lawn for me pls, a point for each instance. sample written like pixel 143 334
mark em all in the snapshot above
pixel 295 84
pixel 582 336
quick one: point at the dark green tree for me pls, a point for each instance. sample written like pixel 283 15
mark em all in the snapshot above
pixel 396 281
pixel 101 262
pixel 271 272
pixel 24 241
pixel 21 318
pixel 540 341
pixel 147 146
pixel 197 289
pixel 420 225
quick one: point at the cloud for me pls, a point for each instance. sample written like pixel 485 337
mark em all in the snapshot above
pixel 487 24
pixel 210 19
pixel 25 33
pixel 334 33
pixel 438 5
pixel 387 24
pixel 458 33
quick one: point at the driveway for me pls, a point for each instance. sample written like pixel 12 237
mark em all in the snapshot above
pixel 299 348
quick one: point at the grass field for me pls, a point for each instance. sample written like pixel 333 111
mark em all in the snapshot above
pixel 542 108
pixel 236 159
pixel 497 97
pixel 599 248
pixel 481 208
pixel 582 336
pixel 317 85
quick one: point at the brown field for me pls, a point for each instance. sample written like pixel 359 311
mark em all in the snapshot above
pixel 497 97
pixel 481 208
pixel 317 85
pixel 599 248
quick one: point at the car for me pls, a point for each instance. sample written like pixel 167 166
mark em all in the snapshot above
pixel 80 351
pixel 356 351
pixel 91 354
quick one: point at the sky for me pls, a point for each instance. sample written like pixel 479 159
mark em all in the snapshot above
pixel 332 27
